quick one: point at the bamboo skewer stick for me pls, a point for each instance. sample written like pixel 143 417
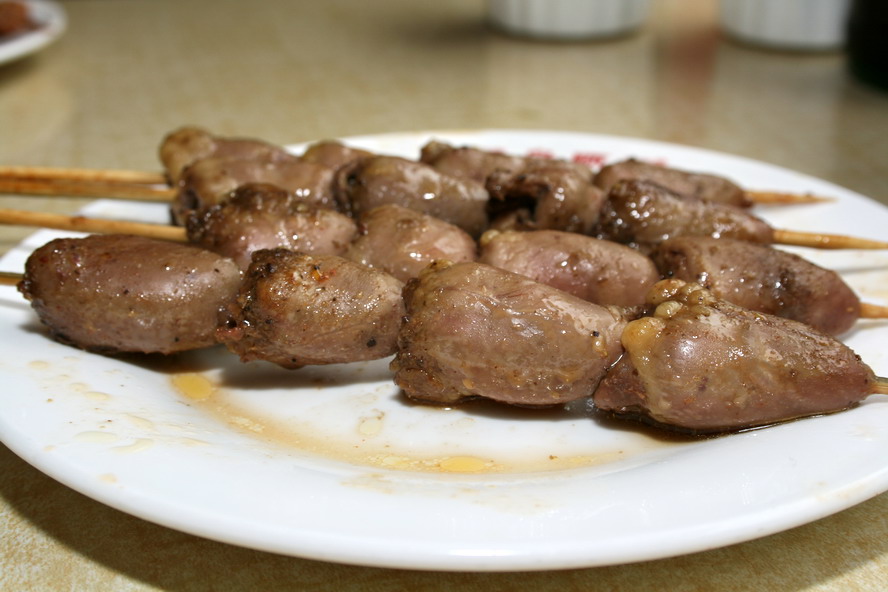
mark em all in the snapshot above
pixel 83 175
pixel 129 191
pixel 778 198
pixel 52 181
pixel 99 225
pixel 9 278
pixel 881 387
pixel 869 310
pixel 819 240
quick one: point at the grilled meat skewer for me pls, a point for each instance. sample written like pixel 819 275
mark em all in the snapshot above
pixel 526 193
pixel 120 293
pixel 468 162
pixel 643 214
pixel 478 164
pixel 379 180
pixel 186 145
pixel 259 216
pixel 402 242
pixel 703 365
pixel 596 270
pixel 545 195
pixel 295 309
pixel 697 186
pixel 210 181
pixel 697 363
pixel 473 330
pixel 763 279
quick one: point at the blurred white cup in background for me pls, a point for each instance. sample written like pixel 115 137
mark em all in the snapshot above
pixel 567 19
pixel 802 25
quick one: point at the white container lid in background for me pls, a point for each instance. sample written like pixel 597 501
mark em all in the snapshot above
pixel 567 19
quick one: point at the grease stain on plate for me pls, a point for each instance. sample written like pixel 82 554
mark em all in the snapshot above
pixel 397 441
pixel 138 446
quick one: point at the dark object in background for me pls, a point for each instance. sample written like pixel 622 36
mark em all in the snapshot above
pixel 867 44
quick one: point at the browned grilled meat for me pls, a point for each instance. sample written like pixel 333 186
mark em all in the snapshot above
pixel 643 214
pixel 401 241
pixel 295 309
pixel 698 186
pixel 599 271
pixel 120 293
pixel 703 365
pixel 333 154
pixel 467 162
pixel 762 278
pixel 375 181
pixel 212 180
pixel 549 194
pixel 477 331
pixel 186 145
pixel 259 216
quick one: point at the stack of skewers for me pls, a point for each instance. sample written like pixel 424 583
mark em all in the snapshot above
pixel 533 282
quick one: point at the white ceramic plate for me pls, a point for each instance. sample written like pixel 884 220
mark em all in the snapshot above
pixel 331 463
pixel 51 20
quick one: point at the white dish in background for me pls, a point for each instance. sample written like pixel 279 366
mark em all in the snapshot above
pixel 51 20
pixel 331 463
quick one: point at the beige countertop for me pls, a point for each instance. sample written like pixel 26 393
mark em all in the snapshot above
pixel 125 73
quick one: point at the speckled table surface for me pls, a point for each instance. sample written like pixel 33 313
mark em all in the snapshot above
pixel 125 73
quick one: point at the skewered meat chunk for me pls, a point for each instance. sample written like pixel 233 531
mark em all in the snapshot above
pixel 703 365
pixel 643 214
pixel 121 293
pixel 549 194
pixel 401 241
pixel 762 278
pixel 698 186
pixel 599 271
pixel 211 180
pixel 527 193
pixel 372 182
pixel 467 162
pixel 186 145
pixel 333 154
pixel 295 309
pixel 259 216
pixel 477 331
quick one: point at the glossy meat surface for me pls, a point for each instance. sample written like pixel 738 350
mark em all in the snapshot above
pixel 762 278
pixel 211 180
pixel 553 194
pixel 599 271
pixel 468 162
pixel 703 365
pixel 401 241
pixel 473 330
pixel 333 154
pixel 186 145
pixel 295 309
pixel 698 186
pixel 376 181
pixel 644 215
pixel 121 293
pixel 262 216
